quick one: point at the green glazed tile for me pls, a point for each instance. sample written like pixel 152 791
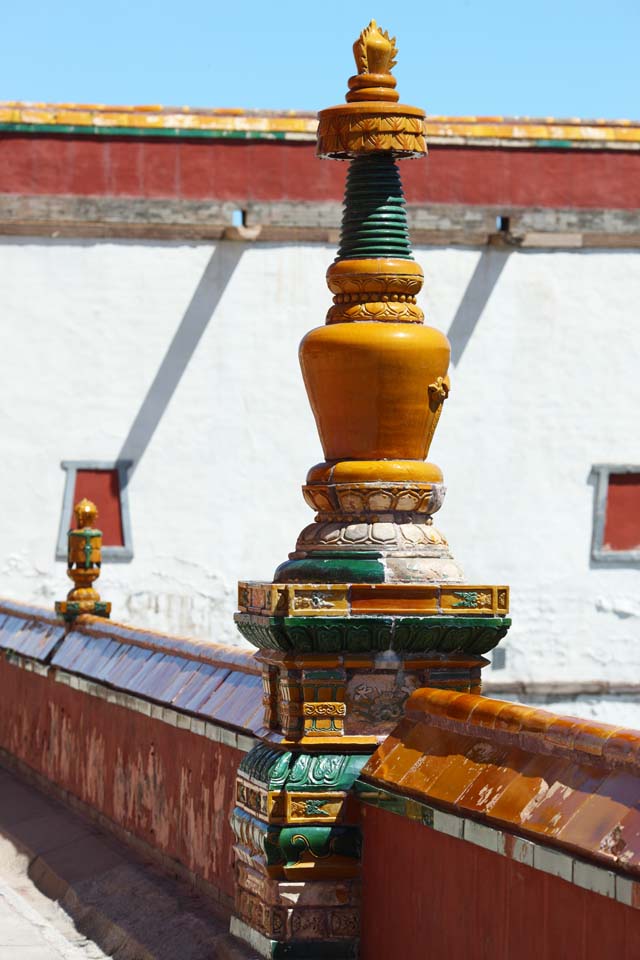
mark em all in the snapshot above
pixel 286 846
pixel 347 569
pixel 446 634
pixel 278 770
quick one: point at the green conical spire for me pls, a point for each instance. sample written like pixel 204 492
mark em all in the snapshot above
pixel 374 223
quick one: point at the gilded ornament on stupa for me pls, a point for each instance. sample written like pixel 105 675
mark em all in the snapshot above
pixel 371 604
pixel 372 120
pixel 84 559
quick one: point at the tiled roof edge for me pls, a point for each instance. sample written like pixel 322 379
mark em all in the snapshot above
pixel 207 651
pixel 27 611
pixel 101 119
pixel 529 728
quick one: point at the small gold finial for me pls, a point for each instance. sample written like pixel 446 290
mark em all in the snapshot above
pixel 86 513
pixel 84 559
pixel 375 50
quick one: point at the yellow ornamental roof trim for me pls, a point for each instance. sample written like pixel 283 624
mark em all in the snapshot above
pixel 152 120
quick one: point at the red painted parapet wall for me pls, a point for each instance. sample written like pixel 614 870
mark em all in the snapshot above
pixel 145 730
pixel 249 171
pixel 423 888
pixel 493 830
pixel 243 156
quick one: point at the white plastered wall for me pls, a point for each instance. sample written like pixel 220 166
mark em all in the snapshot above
pixel 546 384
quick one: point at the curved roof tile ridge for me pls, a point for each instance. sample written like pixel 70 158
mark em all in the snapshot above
pixel 559 781
pixel 191 648
pixel 529 728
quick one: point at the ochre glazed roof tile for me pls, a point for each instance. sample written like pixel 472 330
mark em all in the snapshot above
pixel 567 782
pixel 154 120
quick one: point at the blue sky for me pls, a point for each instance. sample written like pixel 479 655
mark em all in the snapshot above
pixel 480 57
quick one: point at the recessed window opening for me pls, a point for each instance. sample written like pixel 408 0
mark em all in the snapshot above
pixel 502 224
pixel 239 218
pixel 616 521
pixel 622 516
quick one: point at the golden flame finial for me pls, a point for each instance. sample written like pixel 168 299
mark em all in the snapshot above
pixel 375 51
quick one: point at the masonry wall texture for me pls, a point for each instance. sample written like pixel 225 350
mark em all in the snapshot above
pixel 544 385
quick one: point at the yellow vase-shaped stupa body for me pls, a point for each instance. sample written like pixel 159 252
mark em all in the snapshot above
pixel 368 384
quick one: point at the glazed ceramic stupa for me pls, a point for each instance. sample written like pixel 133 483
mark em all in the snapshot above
pixel 371 604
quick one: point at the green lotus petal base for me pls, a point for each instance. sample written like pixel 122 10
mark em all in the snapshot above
pixel 284 770
pixel 472 635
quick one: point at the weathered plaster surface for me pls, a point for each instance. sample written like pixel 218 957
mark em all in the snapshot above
pixel 167 786
pixel 544 386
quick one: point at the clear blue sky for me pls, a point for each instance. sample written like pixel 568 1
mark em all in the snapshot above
pixel 564 58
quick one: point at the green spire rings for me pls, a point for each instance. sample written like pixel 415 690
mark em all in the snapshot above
pixel 374 223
